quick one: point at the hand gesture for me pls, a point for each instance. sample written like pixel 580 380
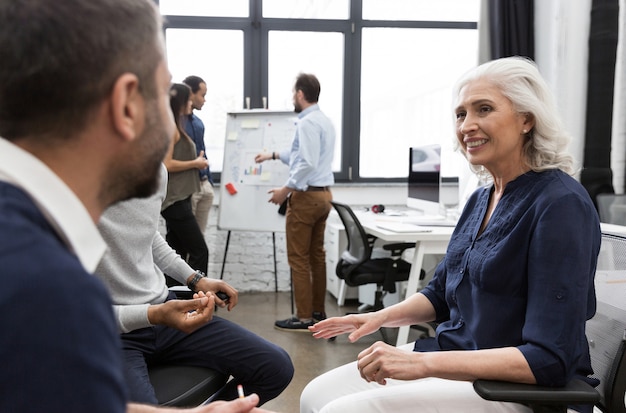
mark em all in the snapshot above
pixel 381 361
pixel 201 162
pixel 278 195
pixel 263 156
pixel 184 315
pixel 210 285
pixel 358 325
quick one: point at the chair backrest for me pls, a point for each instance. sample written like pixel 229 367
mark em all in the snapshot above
pixel 359 244
pixel 606 331
pixel 612 208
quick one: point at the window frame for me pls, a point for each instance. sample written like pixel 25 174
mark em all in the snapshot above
pixel 256 30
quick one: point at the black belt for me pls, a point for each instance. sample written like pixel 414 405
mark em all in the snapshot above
pixel 317 188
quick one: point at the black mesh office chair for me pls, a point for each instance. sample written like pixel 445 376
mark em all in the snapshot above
pixel 357 267
pixel 606 333
pixel 185 386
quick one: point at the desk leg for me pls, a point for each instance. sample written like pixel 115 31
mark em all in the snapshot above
pixel 341 296
pixel 412 287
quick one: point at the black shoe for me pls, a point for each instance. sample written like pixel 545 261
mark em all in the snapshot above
pixel 318 316
pixel 293 324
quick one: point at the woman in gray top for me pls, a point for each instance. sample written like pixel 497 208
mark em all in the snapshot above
pixel 182 163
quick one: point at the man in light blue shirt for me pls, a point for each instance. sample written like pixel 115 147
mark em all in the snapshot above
pixel 308 192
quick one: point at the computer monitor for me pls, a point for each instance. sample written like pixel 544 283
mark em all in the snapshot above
pixel 424 179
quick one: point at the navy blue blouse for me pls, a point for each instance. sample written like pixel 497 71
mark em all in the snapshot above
pixel 526 281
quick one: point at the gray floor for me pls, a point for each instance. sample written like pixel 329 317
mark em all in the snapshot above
pixel 311 357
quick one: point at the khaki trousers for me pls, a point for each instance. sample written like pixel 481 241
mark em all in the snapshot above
pixel 201 203
pixel 305 224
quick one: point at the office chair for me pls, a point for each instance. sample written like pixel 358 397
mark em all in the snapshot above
pixel 185 386
pixel 606 334
pixel 612 208
pixel 357 267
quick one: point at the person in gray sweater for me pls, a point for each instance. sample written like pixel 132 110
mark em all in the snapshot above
pixel 156 328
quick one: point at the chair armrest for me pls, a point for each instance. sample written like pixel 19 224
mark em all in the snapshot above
pixel 575 392
pixel 398 247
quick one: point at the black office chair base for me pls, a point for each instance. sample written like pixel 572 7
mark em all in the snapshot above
pixel 185 386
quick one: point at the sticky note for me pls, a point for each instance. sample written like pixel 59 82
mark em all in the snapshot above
pixel 250 124
pixel 231 188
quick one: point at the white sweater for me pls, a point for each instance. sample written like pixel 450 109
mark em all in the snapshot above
pixel 137 257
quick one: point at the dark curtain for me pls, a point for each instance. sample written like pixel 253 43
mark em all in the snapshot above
pixel 512 28
pixel 596 175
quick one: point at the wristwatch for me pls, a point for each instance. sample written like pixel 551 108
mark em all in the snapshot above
pixel 194 281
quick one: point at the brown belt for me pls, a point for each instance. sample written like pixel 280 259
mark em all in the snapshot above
pixel 317 188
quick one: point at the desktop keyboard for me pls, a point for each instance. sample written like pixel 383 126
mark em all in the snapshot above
pixel 401 227
pixel 431 221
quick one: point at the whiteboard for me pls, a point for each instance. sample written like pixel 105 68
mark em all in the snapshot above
pixel 249 133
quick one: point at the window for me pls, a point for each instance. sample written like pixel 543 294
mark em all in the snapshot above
pixel 217 57
pixel 429 10
pixel 405 100
pixel 307 9
pixel 385 66
pixel 309 52
pixel 230 8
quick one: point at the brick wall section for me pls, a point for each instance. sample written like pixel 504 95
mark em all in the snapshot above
pixel 250 258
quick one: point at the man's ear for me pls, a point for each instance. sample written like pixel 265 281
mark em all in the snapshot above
pixel 301 95
pixel 127 107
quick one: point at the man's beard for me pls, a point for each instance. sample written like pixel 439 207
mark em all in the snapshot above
pixel 137 176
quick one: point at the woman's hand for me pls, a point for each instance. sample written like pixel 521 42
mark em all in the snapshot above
pixel 201 162
pixel 381 361
pixel 358 325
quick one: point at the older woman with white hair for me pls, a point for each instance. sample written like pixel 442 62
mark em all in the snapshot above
pixel 513 293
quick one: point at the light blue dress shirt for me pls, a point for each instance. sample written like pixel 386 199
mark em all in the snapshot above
pixel 310 158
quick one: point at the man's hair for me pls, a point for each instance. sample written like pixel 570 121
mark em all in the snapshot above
pixel 309 85
pixel 193 82
pixel 61 58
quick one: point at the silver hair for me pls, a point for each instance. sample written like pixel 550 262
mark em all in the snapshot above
pixel 519 80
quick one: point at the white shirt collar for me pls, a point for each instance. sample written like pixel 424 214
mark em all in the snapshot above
pixel 61 207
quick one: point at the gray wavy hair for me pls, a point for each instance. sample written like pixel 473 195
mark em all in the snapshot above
pixel 519 80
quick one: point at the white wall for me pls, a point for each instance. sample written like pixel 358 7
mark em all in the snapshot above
pixel 618 152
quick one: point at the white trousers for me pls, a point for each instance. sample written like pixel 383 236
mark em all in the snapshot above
pixel 342 390
pixel 201 203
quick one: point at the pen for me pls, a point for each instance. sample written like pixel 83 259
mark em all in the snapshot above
pixel 240 391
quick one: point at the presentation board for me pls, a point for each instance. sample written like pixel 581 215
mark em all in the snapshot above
pixel 244 183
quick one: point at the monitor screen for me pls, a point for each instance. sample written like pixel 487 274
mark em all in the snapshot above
pixel 424 176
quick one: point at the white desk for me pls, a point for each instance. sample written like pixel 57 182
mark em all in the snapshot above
pixel 433 242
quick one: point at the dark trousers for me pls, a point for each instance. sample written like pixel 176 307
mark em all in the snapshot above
pixel 184 235
pixel 260 366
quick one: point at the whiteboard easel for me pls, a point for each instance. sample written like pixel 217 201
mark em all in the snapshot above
pixel 249 133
